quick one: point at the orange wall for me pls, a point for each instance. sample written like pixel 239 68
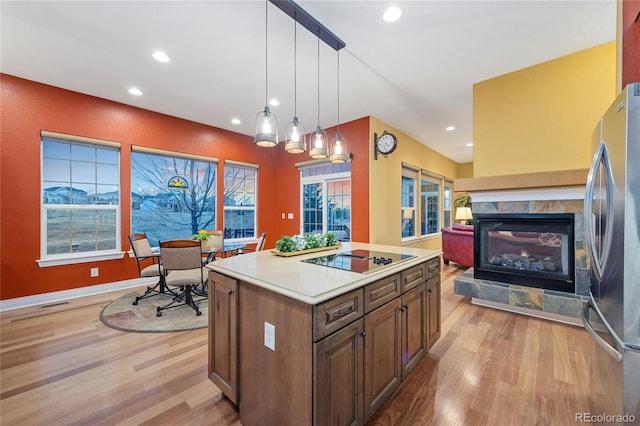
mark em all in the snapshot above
pixel 356 134
pixel 29 107
pixel 630 42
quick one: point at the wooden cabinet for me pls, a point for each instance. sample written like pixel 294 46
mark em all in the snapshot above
pixel 381 355
pixel 413 342
pixel 334 363
pixel 395 342
pixel 339 378
pixel 223 334
pixel 433 310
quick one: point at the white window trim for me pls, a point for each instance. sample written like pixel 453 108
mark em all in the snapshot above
pixel 256 231
pixel 435 180
pixel 411 172
pixel 324 180
pixel 73 258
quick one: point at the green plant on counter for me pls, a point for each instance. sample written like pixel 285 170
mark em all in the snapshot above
pixel 462 201
pixel 288 244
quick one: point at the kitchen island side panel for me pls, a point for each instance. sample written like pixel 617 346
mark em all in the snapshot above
pixel 275 386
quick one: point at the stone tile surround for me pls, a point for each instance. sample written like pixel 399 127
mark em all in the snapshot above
pixel 534 301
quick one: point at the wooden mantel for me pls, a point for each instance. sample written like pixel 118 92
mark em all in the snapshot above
pixel 523 181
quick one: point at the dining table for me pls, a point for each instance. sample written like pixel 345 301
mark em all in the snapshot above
pixel 227 249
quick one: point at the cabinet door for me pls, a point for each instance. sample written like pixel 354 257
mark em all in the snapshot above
pixel 381 355
pixel 223 334
pixel 338 377
pixel 433 308
pixel 414 328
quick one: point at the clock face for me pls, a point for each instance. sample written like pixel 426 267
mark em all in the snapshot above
pixel 387 143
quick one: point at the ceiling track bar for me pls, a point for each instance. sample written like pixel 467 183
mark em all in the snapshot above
pixel 303 18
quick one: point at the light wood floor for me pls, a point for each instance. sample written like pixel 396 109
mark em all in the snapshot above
pixel 61 366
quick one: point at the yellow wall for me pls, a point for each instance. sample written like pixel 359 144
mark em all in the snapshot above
pixel 465 170
pixel 384 184
pixel 541 118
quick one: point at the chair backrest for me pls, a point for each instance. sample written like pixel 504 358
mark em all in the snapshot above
pixel 215 240
pixel 140 245
pixel 181 254
pixel 261 240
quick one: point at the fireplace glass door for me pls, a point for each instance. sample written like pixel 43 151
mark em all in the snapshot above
pixel 526 249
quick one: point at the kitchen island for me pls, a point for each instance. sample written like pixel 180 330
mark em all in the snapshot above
pixel 298 343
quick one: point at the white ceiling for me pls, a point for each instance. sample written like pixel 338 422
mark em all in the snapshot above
pixel 416 74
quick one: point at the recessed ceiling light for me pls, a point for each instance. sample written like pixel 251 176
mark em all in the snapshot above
pixel 274 102
pixel 135 91
pixel 160 56
pixel 470 144
pixel 392 14
pixel 450 128
pixel 235 121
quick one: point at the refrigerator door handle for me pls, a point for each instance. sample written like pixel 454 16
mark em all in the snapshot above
pixel 610 350
pixel 599 256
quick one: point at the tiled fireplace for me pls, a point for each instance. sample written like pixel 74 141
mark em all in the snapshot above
pixel 563 304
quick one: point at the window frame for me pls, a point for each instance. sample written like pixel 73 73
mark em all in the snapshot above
pixel 428 178
pixel 47 260
pixel 413 174
pixel 324 180
pixel 254 168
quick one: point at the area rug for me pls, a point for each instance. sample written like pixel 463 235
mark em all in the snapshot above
pixel 141 318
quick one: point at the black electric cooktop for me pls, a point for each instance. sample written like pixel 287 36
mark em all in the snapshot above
pixel 362 261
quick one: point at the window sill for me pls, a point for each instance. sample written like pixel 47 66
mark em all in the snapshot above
pixel 70 260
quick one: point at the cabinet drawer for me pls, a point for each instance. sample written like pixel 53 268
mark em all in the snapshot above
pixel 380 292
pixel 413 277
pixel 433 267
pixel 336 313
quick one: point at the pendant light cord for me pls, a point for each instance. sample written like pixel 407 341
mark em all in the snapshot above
pixel 295 67
pixel 266 54
pixel 338 78
pixel 318 80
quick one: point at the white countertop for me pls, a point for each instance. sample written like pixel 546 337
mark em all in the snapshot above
pixel 307 282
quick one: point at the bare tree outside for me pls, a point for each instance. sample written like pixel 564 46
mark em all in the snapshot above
pixel 166 211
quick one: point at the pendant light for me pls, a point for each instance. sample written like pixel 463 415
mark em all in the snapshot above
pixel 338 144
pixel 295 141
pixel 318 148
pixel 266 121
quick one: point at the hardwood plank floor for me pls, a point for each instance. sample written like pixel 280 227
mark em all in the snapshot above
pixel 60 365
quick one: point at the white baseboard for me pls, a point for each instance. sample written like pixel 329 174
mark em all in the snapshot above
pixel 526 311
pixel 58 296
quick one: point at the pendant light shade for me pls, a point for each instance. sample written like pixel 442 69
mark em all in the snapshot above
pixel 318 144
pixel 295 141
pixel 318 148
pixel 338 145
pixel 266 122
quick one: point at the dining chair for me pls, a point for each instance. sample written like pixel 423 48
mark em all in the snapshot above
pixel 149 265
pixel 182 265
pixel 213 245
pixel 259 245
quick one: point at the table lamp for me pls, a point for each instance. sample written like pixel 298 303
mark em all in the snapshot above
pixel 464 215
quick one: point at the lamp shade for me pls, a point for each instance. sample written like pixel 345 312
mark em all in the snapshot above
pixel 266 128
pixel 295 138
pixel 318 144
pixel 338 150
pixel 464 213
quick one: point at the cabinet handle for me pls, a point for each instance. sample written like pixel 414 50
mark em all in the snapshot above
pixel 403 308
pixel 341 312
pixel 363 334
pixel 429 290
pixel 229 291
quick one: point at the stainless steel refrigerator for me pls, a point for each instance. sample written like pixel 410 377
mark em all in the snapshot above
pixel 612 238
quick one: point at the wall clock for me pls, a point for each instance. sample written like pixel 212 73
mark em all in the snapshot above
pixel 385 144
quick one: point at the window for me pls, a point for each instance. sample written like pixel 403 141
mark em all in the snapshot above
pixel 446 202
pixel 409 187
pixel 429 205
pixel 173 195
pixel 80 198
pixel 326 199
pixel 240 192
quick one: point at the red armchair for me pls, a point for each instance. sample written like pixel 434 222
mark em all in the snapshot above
pixel 457 244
